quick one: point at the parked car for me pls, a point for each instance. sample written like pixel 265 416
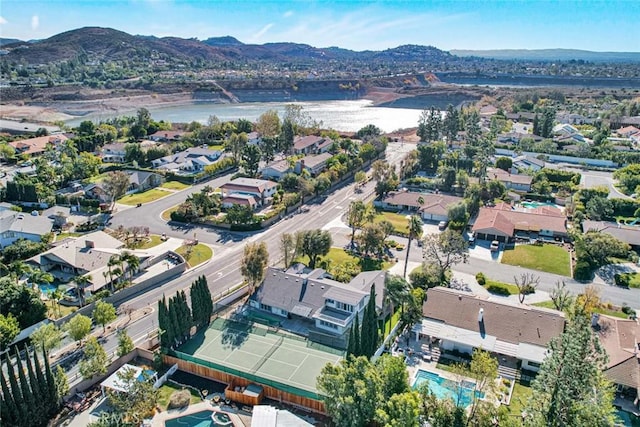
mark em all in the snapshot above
pixel 442 225
pixel 495 246
pixel 472 240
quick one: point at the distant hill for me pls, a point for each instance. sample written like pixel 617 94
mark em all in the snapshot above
pixel 109 44
pixel 4 41
pixel 551 55
pixel 223 41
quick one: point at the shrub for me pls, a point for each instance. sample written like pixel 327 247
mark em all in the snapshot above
pixel 627 310
pixel 499 290
pixel 179 399
pixel 481 279
pixel 582 271
pixel 621 280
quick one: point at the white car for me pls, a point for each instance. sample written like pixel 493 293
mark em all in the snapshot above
pixel 495 246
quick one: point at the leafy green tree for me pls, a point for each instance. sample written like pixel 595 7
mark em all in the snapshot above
pixel 351 391
pixel 385 176
pixel 104 313
pixel 61 383
pixel 78 327
pixel 268 124
pixel 448 178
pixel 253 264
pixel 429 156
pixel 94 361
pixel 400 410
pixel 429 125
pixel 458 215
pixel 125 343
pixel 570 388
pixel 451 124
pixel 288 248
pixel 133 153
pixel 596 248
pixel 21 249
pixel 47 336
pixel 396 291
pixel 357 215
pixel 314 243
pixel 394 375
pixel 360 177
pixel 22 302
pixel 244 126
pixel 239 214
pixel 372 239
pixel 251 156
pixel 237 143
pixel 115 185
pixel 504 163
pixel 286 137
pixel 138 402
pixel 201 302
pixel 444 250
pixel 598 208
pixel 9 329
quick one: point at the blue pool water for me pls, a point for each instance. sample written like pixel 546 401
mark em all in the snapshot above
pixel 47 288
pixel 443 388
pixel 200 419
pixel 533 205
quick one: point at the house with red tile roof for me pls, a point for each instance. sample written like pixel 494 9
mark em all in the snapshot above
pixel 261 190
pixel 505 223
pixel 37 146
pixel 311 144
pixel 627 131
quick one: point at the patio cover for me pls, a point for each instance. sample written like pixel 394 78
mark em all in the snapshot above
pixel 114 382
pixel 457 335
pixel 531 352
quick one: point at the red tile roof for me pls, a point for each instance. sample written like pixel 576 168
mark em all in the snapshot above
pixel 37 145
pixel 508 221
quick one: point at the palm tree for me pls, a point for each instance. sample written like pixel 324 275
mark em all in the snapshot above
pixel 37 276
pixel 18 269
pixel 56 296
pixel 113 261
pixel 81 282
pixel 396 291
pixel 415 232
pixel 132 261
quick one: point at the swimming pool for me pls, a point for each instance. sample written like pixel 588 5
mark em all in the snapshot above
pixel 47 288
pixel 533 205
pixel 201 419
pixel 444 388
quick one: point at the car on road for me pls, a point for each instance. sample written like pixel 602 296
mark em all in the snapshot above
pixel 495 246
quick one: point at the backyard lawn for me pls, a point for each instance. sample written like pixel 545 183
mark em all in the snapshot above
pixel 400 222
pixel 164 393
pixel 174 185
pixel 145 197
pixel 199 254
pixel 549 258
pixel 521 394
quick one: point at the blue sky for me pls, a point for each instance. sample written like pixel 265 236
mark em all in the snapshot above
pixel 463 24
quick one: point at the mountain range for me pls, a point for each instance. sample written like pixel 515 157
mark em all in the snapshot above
pixel 109 44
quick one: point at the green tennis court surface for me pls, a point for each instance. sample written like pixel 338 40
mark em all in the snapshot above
pixel 256 350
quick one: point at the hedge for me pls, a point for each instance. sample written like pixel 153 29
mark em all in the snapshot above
pixel 497 289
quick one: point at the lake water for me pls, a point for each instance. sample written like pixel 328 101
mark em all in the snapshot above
pixel 339 115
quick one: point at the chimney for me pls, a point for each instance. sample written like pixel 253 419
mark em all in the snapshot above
pixel 89 244
pixel 481 315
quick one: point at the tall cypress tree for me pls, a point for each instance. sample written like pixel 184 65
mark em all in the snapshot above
pixel 350 339
pixel 27 394
pixel 173 322
pixel 49 401
pixel 39 399
pixel 8 410
pixel 21 404
pixel 207 301
pixel 196 304
pixel 374 336
pixel 52 388
pixel 357 343
pixel 365 334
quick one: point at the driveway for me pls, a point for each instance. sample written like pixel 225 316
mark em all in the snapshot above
pixel 481 251
pixel 591 179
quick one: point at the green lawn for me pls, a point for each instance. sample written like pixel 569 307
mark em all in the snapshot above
pixel 549 258
pixel 154 240
pixel 391 321
pixel 521 394
pixel 64 310
pixel 166 215
pixel 174 185
pixel 165 393
pixel 337 256
pixel 199 254
pixel 65 235
pixel 601 310
pixel 216 147
pixel 400 222
pixel 145 197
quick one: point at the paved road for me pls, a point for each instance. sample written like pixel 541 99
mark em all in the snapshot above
pixel 591 179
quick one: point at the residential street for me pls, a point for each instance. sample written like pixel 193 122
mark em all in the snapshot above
pixel 223 270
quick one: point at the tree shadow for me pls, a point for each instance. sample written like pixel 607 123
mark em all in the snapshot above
pixel 235 331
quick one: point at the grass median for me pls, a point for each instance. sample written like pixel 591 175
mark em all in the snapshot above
pixel 196 255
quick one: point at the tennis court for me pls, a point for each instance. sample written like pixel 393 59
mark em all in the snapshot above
pixel 263 352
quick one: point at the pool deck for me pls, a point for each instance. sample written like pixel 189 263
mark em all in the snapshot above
pixel 159 419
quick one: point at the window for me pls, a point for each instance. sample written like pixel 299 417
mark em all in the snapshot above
pixel 533 364
pixel 328 324
pixel 330 301
pixel 344 307
pixel 265 307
